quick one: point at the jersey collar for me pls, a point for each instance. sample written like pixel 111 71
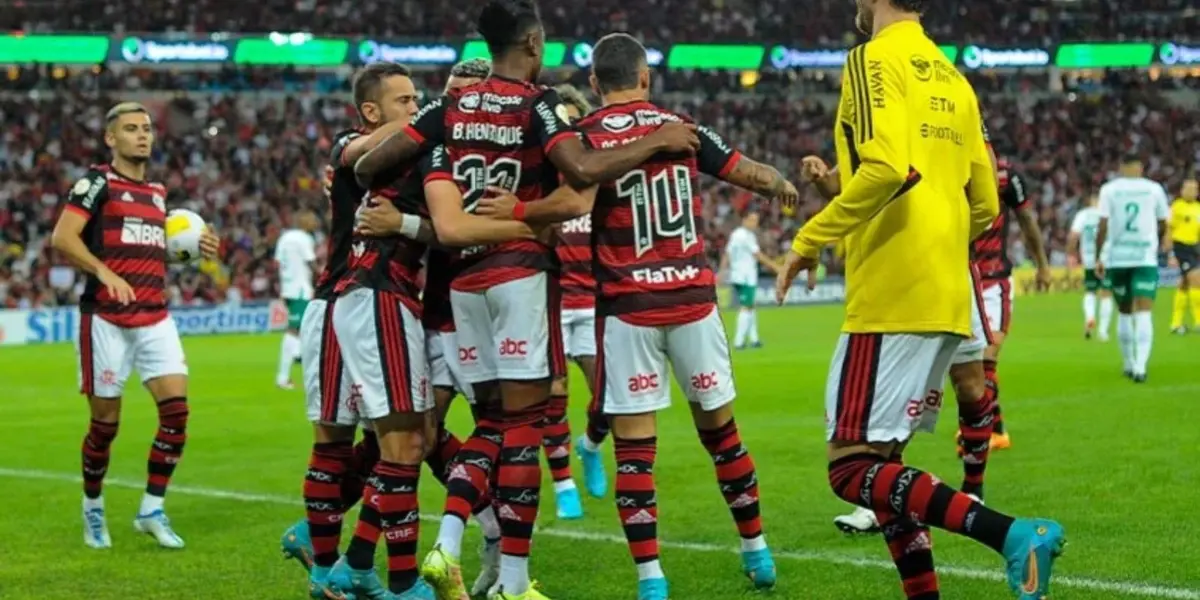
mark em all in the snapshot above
pixel 900 27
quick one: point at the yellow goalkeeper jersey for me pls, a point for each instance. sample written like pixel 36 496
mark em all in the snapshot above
pixel 1185 222
pixel 917 185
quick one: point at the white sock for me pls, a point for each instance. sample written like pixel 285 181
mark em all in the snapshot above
pixel 288 350
pixel 650 570
pixel 1143 325
pixel 1106 312
pixel 450 535
pixel 150 503
pixel 564 485
pixel 514 574
pixel 1125 339
pixel 93 503
pixel 754 544
pixel 743 327
pixel 753 326
pixel 488 523
pixel 1089 307
pixel 589 445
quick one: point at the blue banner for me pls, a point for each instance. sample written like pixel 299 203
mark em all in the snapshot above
pixel 55 325
pixel 370 51
pixel 156 50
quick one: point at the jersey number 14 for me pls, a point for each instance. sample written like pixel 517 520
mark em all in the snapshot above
pixel 662 207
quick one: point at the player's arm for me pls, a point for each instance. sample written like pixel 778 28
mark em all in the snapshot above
pixel 383 219
pixel 718 159
pixel 1074 236
pixel 83 203
pixel 563 204
pixel 885 172
pixel 359 145
pixel 426 131
pixel 456 228
pixel 583 167
pixel 1163 211
pixel 1015 197
pixel 1102 228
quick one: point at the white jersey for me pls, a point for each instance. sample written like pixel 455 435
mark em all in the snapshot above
pixel 295 251
pixel 1134 206
pixel 743 262
pixel 1085 225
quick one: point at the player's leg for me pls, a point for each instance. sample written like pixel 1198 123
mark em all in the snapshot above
pixel 1181 304
pixel 1143 288
pixel 1192 276
pixel 699 354
pixel 595 478
pixel 384 349
pixel 1126 334
pixel 1105 296
pixel 745 329
pixel 975 400
pixel 104 360
pixel 290 348
pixel 159 359
pixel 1091 283
pixel 632 387
pixel 556 434
pixel 873 379
pixel 997 306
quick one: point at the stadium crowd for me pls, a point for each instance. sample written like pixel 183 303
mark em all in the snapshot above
pixel 247 161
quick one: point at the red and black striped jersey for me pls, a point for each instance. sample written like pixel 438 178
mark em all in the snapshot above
pixel 497 133
pixel 344 198
pixel 574 251
pixel 648 229
pixel 391 264
pixel 125 230
pixel 439 272
pixel 989 252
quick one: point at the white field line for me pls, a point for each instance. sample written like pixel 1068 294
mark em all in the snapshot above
pixel 1132 588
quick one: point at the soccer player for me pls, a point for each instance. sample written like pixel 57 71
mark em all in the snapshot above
pixel 508 133
pixel 742 257
pixel 656 296
pixel 1185 242
pixel 990 257
pixel 1083 240
pixel 111 228
pixel 1133 226
pixel 909 143
pixel 295 252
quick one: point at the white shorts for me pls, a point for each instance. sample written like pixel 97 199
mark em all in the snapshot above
pixel 971 350
pixel 329 393
pixel 108 353
pixel 444 368
pixel 997 305
pixel 504 332
pixel 383 344
pixel 579 332
pixel 632 365
pixel 883 387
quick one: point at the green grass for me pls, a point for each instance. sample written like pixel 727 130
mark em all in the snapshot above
pixel 1115 462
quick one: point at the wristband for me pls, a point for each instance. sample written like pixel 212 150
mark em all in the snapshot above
pixel 519 211
pixel 410 226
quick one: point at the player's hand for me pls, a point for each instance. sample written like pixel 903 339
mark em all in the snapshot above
pixel 115 286
pixel 789 196
pixel 677 137
pixel 792 265
pixel 1099 269
pixel 379 218
pixel 1044 279
pixel 813 168
pixel 210 244
pixel 327 183
pixel 497 204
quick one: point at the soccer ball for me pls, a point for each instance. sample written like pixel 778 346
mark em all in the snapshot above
pixel 183 235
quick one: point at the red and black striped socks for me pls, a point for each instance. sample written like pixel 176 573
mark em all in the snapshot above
pixel 467 482
pixel 975 421
pixel 993 384
pixel 637 502
pixel 517 492
pixel 738 480
pixel 556 440
pixel 165 452
pixel 911 548
pixel 323 502
pixel 96 450
pixel 389 508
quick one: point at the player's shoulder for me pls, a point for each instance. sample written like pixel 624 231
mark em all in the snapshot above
pixel 347 135
pixel 93 181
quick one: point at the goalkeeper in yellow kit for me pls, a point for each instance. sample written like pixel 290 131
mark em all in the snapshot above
pixel 917 185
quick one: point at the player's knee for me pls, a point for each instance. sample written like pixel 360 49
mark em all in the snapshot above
pixel 102 433
pixel 173 412
pixel 106 410
pixel 848 468
pixel 635 427
pixel 401 439
pixel 970 384
pixel 711 420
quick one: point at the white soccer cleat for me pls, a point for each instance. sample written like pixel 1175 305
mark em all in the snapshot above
pixel 861 521
pixel 286 386
pixel 158 526
pixel 489 569
pixel 95 528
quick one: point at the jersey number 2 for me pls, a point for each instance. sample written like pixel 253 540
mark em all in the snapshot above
pixel 1131 214
pixel 662 207
pixel 474 172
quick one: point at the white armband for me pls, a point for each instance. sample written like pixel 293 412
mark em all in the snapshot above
pixel 410 226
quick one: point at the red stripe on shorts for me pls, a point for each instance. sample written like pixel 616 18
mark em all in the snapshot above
pixel 393 352
pixel 856 388
pixel 597 404
pixel 86 365
pixel 330 368
pixel 558 354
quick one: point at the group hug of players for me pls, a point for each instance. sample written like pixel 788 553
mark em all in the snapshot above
pixel 471 188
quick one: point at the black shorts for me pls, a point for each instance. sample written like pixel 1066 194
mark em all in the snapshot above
pixel 1188 256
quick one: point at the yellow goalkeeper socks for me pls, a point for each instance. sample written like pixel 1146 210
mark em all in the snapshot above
pixel 1195 296
pixel 1181 307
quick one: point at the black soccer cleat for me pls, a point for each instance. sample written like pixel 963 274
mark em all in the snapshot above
pixel 1128 374
pixel 1141 378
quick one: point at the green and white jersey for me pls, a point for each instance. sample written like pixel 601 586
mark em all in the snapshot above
pixel 1134 206
pixel 295 251
pixel 1086 225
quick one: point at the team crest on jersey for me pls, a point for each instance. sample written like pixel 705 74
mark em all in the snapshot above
pixel 618 122
pixel 469 103
pixel 82 186
pixel 922 70
pixel 560 111
pixel 160 202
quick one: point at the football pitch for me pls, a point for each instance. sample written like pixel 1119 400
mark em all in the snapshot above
pixel 1117 463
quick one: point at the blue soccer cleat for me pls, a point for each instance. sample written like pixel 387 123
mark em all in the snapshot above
pixel 320 588
pixel 594 477
pixel 652 589
pixel 419 591
pixel 297 545
pixel 158 526
pixel 347 583
pixel 759 566
pixel 1030 551
pixel 570 507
